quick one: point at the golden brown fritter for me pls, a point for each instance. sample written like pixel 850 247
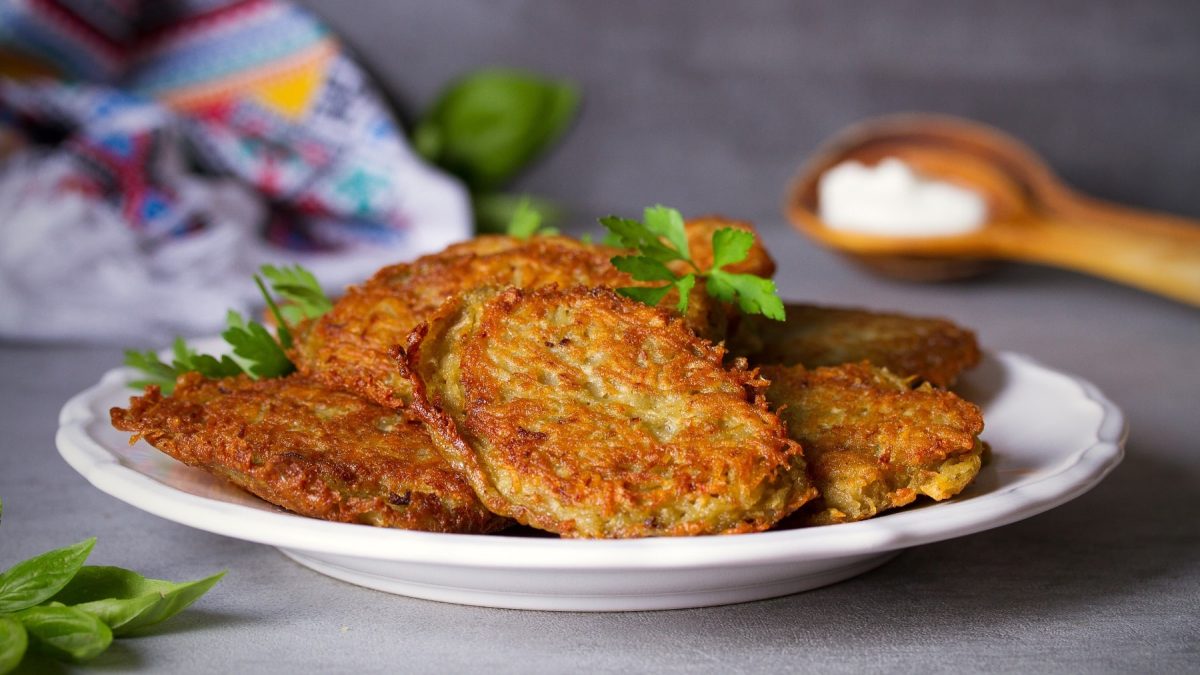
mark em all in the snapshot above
pixel 347 349
pixel 588 414
pixel 313 451
pixel 873 443
pixel 932 350
pixel 484 244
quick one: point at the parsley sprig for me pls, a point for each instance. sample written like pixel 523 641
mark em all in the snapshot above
pixel 526 221
pixel 256 352
pixel 660 238
pixel 300 289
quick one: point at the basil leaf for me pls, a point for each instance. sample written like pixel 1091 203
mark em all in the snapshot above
pixel 127 601
pixel 39 578
pixel 65 633
pixel 488 125
pixel 13 642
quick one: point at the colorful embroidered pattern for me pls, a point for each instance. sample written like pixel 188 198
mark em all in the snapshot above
pixel 256 90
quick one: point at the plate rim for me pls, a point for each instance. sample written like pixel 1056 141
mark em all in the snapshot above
pixel 1073 476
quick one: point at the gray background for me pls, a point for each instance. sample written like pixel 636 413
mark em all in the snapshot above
pixel 710 106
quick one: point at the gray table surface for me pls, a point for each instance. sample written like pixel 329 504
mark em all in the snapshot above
pixel 1108 582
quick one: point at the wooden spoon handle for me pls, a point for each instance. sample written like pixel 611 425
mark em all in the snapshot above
pixel 1155 252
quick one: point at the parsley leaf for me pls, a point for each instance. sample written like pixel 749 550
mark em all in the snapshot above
pixel 299 288
pixel 668 224
pixel 754 295
pixel 526 221
pixel 629 233
pixel 255 351
pixel 281 324
pixel 648 269
pixel 730 246
pixel 685 288
pixel 157 372
pixel 650 295
pixel 661 237
pixel 187 360
pixel 261 355
pixel 643 269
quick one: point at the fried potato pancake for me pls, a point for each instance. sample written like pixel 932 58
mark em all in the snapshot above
pixel 313 451
pixel 348 348
pixel 872 442
pixel 585 413
pixel 932 350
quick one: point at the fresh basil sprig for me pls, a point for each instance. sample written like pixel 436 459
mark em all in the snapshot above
pixel 487 126
pixel 128 602
pixel 661 238
pixel 36 580
pixel 255 351
pixel 13 643
pixel 65 633
pixel 54 604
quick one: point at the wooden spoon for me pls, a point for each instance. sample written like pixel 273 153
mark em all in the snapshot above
pixel 1032 215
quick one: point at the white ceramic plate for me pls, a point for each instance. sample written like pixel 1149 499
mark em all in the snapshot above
pixel 1053 437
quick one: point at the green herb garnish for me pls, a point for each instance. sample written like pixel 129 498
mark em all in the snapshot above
pixel 487 126
pixel 297 286
pixel 660 238
pixel 260 354
pixel 185 360
pixel 255 351
pixel 526 221
pixel 64 633
pixel 54 604
pixel 126 601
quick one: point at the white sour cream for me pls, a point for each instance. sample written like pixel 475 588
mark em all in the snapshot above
pixel 893 200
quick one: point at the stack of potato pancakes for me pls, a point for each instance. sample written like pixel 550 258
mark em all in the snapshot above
pixel 504 380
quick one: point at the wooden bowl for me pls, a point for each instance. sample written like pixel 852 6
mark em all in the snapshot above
pixel 1032 215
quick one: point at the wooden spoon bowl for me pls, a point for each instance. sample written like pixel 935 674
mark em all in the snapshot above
pixel 1032 215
